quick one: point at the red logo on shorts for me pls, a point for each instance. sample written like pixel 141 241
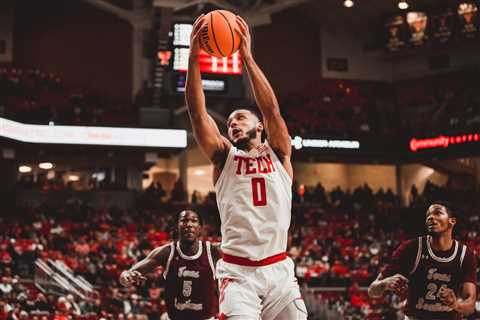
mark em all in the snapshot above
pixel 222 316
pixel 223 286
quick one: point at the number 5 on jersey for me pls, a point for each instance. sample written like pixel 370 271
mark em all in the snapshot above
pixel 259 192
pixel 187 288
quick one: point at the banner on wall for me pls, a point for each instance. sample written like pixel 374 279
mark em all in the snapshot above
pixel 6 30
pixel 395 33
pixel 439 26
pixel 417 24
pixel 467 14
pixel 442 24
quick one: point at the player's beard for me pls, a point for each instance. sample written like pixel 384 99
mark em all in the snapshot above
pixel 188 242
pixel 243 142
pixel 434 233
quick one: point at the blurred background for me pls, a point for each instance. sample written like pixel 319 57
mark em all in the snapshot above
pixel 382 102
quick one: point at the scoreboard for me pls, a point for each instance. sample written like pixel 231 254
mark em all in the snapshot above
pixel 208 64
pixel 220 76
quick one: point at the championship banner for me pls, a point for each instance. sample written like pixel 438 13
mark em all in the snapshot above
pixel 6 30
pixel 467 14
pixel 442 24
pixel 395 33
pixel 417 23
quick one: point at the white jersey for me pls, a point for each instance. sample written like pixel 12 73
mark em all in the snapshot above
pixel 254 198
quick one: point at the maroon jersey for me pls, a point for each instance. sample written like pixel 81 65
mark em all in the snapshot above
pixel 190 290
pixel 427 271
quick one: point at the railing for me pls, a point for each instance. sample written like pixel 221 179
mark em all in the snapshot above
pixel 47 280
pixel 78 282
pixel 56 277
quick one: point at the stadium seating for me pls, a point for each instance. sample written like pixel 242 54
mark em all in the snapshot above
pixel 426 105
pixel 33 96
pixel 339 241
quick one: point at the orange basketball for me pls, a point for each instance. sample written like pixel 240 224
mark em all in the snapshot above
pixel 218 37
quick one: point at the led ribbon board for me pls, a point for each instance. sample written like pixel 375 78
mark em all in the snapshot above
pixel 106 136
pixel 299 143
pixel 442 141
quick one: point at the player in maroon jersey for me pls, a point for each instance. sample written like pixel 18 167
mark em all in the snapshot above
pixel 189 271
pixel 435 272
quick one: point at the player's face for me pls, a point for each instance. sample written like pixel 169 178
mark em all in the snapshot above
pixel 437 220
pixel 243 126
pixel 189 226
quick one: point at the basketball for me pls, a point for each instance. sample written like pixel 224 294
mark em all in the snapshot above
pixel 218 37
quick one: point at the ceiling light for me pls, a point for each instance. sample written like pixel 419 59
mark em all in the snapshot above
pixel 24 169
pixel 348 3
pixel 73 178
pixel 100 176
pixel 50 175
pixel 199 172
pixel 403 5
pixel 45 165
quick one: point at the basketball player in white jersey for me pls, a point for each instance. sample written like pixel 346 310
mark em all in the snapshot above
pixel 253 182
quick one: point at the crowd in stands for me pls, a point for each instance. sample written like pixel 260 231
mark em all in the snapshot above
pixel 332 107
pixel 426 105
pixel 440 103
pixel 422 106
pixel 33 96
pixel 327 107
pixel 57 183
pixel 339 239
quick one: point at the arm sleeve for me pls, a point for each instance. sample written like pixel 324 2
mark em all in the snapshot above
pixel 403 260
pixel 469 268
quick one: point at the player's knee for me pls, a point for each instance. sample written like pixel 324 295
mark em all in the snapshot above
pixel 295 310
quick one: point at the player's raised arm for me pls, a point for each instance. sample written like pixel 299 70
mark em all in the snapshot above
pixel 136 274
pixel 275 125
pixel 205 130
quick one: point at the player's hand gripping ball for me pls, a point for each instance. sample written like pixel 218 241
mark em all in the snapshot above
pixel 218 36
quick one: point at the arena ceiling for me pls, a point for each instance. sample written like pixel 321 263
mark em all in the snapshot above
pixel 256 12
pixel 364 14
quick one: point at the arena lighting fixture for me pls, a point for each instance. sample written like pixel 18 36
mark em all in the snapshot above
pixel 100 176
pixel 403 5
pixel 24 169
pixel 50 175
pixel 73 178
pixel 199 172
pixel 348 3
pixel 45 165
